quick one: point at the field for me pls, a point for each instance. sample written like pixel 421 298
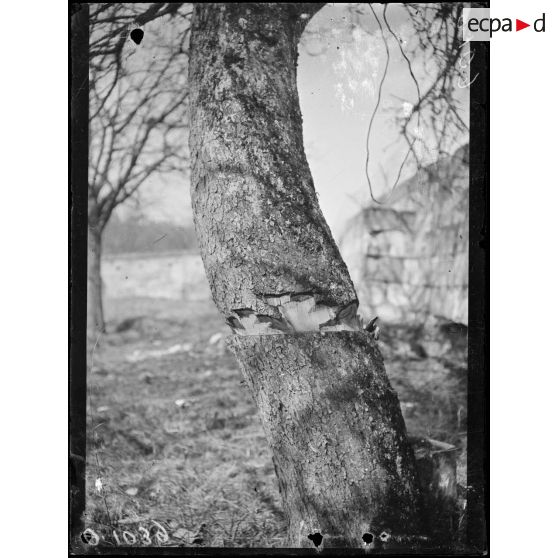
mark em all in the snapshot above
pixel 176 454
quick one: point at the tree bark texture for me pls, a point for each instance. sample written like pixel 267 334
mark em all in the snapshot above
pixel 95 315
pixel 259 225
pixel 338 437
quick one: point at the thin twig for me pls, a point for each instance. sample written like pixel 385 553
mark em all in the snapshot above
pixel 378 99
pixel 386 45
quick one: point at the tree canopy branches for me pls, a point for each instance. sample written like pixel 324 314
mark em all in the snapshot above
pixel 428 118
pixel 138 108
pixel 437 41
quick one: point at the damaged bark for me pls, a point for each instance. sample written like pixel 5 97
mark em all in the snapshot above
pixel 339 443
pixel 260 229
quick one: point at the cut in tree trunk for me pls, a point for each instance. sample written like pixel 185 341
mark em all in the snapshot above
pixel 260 228
pixel 95 317
pixel 342 458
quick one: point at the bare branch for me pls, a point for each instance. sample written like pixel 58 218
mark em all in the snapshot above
pixel 138 115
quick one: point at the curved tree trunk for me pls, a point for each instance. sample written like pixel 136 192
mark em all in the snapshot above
pixel 339 444
pixel 259 225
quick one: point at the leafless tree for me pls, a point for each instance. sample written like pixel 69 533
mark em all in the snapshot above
pixel 137 113
pixel 438 37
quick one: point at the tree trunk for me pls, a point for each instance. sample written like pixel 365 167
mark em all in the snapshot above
pixel 95 316
pixel 337 435
pixel 342 458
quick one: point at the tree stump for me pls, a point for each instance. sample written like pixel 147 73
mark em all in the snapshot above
pixel 436 467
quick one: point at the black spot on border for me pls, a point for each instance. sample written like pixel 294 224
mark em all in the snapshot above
pixel 136 35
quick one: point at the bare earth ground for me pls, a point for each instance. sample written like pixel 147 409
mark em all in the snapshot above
pixel 176 454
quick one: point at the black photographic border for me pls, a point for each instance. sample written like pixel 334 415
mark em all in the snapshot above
pixel 478 342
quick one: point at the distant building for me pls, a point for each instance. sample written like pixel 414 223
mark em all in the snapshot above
pixel 409 257
pixel 174 274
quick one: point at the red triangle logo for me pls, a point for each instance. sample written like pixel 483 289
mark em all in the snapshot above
pixel 519 25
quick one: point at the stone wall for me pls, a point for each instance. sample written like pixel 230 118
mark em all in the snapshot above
pixel 409 257
pixel 174 275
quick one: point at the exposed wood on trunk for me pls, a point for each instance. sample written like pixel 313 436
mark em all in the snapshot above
pixel 333 421
pixel 259 225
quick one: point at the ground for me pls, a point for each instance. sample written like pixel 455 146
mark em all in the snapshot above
pixel 176 454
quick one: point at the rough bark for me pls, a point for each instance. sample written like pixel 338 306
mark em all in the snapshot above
pixel 339 444
pixel 337 435
pixel 95 315
pixel 260 229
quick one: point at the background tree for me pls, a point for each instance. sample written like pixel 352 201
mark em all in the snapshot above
pixel 137 114
pixel 432 123
pixel 438 42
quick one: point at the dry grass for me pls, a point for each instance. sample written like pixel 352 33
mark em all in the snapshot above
pixel 176 454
